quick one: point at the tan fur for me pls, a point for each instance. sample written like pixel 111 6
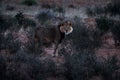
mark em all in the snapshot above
pixel 66 27
pixel 53 35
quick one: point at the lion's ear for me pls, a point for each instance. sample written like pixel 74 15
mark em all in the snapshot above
pixel 61 24
pixel 70 23
pixel 62 29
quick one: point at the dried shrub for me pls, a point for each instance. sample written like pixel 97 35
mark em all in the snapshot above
pixel 6 22
pixel 24 66
pixel 82 37
pixel 59 9
pixel 115 29
pixel 104 23
pixel 85 64
pixel 45 16
pixel 110 9
pixel 8 43
pixel 80 65
pixel 48 6
pixel 29 2
pixel 22 21
pixel 96 11
pixel 107 67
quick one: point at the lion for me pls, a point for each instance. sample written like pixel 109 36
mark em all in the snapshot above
pixel 53 35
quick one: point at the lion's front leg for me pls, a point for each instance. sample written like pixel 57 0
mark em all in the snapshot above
pixel 56 50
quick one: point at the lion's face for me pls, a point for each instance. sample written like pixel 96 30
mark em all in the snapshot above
pixel 66 27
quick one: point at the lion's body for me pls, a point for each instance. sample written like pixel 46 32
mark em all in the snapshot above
pixel 47 36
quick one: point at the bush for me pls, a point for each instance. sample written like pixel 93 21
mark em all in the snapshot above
pixel 49 68
pixel 10 7
pixel 115 29
pixel 107 67
pixel 47 5
pixel 6 22
pixel 96 11
pixel 112 8
pixel 89 12
pixel 24 66
pixel 29 22
pixel 82 37
pixel 2 67
pixel 79 66
pixel 45 16
pixel 33 47
pixel 11 23
pixel 104 23
pixel 8 43
pixel 22 21
pixel 20 17
pixel 59 9
pixel 85 64
pixel 29 2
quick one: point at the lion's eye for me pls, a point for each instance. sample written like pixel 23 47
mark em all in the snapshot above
pixel 69 23
pixel 62 24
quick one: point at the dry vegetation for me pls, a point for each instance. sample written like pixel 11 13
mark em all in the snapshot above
pixel 77 58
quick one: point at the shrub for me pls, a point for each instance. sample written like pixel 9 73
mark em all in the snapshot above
pixel 107 67
pixel 96 11
pixel 89 12
pixel 85 64
pixel 115 29
pixel 22 21
pixel 111 8
pixel 114 7
pixel 45 16
pixel 32 47
pixel 8 43
pixel 1 40
pixel 59 9
pixel 82 37
pixel 6 22
pixel 10 7
pixel 29 2
pixel 29 22
pixel 103 23
pixel 24 66
pixel 20 17
pixel 79 66
pixel 2 67
pixel 71 6
pixel 49 68
pixel 47 5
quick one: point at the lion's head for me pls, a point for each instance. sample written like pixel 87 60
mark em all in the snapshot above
pixel 66 27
